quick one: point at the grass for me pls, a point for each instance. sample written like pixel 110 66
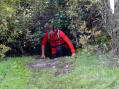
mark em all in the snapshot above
pixel 87 73
pixel 14 74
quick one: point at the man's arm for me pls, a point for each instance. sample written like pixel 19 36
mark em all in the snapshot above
pixel 43 43
pixel 68 42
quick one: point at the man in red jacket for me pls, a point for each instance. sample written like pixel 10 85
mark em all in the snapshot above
pixel 59 43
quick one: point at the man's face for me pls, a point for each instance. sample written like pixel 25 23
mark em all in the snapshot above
pixel 50 27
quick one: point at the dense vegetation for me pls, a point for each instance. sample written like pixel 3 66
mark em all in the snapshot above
pixel 22 23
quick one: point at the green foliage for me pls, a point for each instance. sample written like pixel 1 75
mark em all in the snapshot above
pixel 102 39
pixel 61 20
pixel 22 21
pixel 3 50
pixel 16 18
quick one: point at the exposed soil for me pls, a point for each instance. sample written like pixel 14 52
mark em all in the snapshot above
pixel 62 65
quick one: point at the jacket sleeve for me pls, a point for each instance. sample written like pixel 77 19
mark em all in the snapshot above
pixel 68 41
pixel 44 40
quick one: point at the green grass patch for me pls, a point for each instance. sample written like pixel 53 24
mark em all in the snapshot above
pixel 87 73
pixel 14 74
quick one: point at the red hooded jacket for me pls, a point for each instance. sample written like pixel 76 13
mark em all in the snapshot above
pixel 56 41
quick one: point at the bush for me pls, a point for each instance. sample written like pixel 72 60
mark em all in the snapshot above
pixel 22 22
pixel 3 50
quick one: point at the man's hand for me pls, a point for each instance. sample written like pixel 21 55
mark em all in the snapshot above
pixel 43 52
pixel 43 56
pixel 73 54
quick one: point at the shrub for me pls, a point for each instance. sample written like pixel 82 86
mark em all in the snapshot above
pixel 3 50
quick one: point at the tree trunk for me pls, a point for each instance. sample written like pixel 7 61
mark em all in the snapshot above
pixel 115 34
pixel 111 23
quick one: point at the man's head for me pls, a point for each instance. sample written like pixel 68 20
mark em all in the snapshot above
pixel 49 26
